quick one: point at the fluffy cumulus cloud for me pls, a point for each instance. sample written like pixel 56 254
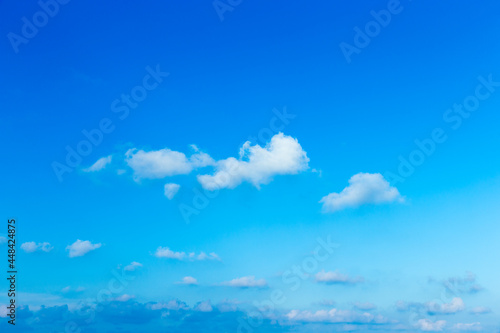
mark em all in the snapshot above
pixel 100 164
pixel 364 188
pixel 336 316
pixel 170 190
pixel 165 252
pixel 134 265
pixel 30 247
pixel 188 280
pixel 336 278
pixel 257 165
pixel 246 282
pixel 456 305
pixel 80 248
pixel 162 163
pixel 431 326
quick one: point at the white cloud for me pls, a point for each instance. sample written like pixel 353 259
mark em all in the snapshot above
pixel 80 248
pixel 165 252
pixel 68 289
pixel 335 316
pixel 205 306
pixel 246 282
pixel 30 247
pixel 3 311
pixel 171 305
pixel 99 165
pixel 123 298
pixel 468 327
pixel 3 240
pixel 427 325
pixel 188 280
pixel 480 310
pixel 164 162
pixel 133 266
pixel 336 278
pixel 171 190
pixel 364 188
pixel 456 305
pixel 258 165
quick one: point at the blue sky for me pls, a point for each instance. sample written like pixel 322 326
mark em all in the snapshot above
pixel 227 137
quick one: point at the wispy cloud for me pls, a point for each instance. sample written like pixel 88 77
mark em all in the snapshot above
pixel 100 164
pixel 430 326
pixel 188 280
pixel 171 190
pixel 134 265
pixel 165 252
pixel 336 278
pixel 364 188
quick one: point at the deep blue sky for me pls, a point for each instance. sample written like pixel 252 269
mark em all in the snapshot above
pixel 225 79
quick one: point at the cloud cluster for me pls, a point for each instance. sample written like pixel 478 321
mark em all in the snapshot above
pixel 364 188
pixel 165 252
pixel 30 247
pixel 430 326
pixel 80 248
pixel 456 305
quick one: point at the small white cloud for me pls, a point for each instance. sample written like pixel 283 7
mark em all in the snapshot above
pixel 123 298
pixel 80 248
pixel 188 280
pixel 30 247
pixel 165 252
pixel 336 278
pixel 163 163
pixel 246 282
pixel 430 326
pixel 480 310
pixel 456 305
pixel 258 165
pixel 364 188
pixel 99 165
pixel 468 327
pixel 134 265
pixel 68 289
pixel 171 190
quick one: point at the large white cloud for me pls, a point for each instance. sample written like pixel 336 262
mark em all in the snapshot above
pixel 364 188
pixel 336 278
pixel 31 247
pixel 164 162
pixel 246 282
pixel 258 165
pixel 335 316
pixel 80 248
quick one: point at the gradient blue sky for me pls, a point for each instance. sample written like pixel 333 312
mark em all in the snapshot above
pixel 227 79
